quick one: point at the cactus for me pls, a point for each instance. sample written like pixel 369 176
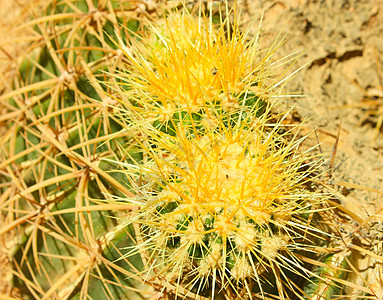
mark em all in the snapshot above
pixel 186 65
pixel 55 130
pixel 224 211
pixel 222 207
pixel 141 159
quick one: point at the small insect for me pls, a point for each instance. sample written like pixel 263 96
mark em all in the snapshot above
pixel 214 71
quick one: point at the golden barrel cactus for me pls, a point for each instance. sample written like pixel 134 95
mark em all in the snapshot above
pixel 144 159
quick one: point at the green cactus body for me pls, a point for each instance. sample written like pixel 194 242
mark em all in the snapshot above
pixel 225 211
pixel 142 160
pixel 321 286
pixel 222 207
pixel 58 126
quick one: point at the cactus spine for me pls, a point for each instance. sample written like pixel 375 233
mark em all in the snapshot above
pixel 55 130
pixel 143 159
pixel 221 204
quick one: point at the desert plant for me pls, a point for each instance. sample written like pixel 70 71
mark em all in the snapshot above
pixel 56 129
pixel 143 159
pixel 225 212
pixel 223 207
pixel 203 70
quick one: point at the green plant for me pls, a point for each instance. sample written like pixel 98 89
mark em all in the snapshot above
pixel 225 211
pixel 63 237
pixel 143 159
pixel 223 207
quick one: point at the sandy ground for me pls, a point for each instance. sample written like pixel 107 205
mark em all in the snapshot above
pixel 343 80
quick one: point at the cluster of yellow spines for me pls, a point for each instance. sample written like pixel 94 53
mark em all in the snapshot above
pixel 190 64
pixel 224 204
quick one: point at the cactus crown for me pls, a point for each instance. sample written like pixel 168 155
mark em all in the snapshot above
pixel 191 65
pixel 223 208
pixel 221 197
